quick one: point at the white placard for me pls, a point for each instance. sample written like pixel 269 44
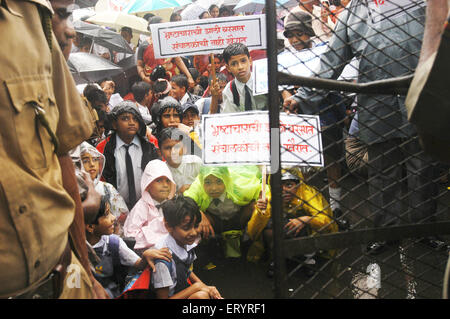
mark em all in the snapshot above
pixel 300 140
pixel 244 139
pixel 196 37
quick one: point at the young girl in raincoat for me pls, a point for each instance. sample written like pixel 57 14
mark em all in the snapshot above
pixel 226 197
pixel 145 222
pixel 93 162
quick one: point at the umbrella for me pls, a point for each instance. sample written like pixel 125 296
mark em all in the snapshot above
pixel 103 37
pixel 118 20
pixel 139 6
pixel 91 67
pixel 258 5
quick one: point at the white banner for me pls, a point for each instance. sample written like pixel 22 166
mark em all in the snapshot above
pixel 244 139
pixel 197 37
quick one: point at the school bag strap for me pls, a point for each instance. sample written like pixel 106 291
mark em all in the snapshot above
pixel 113 247
pixel 120 271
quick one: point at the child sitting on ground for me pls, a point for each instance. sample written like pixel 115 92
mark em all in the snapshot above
pixel 145 221
pixel 93 163
pixel 184 167
pixel 175 280
pixel 226 197
pixel 305 212
pixel 109 254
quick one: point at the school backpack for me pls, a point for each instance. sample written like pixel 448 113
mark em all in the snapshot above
pixel 139 285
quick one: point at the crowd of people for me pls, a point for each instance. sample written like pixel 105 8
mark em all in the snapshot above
pixel 143 197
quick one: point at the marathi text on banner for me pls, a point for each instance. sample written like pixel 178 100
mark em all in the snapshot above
pixel 243 138
pixel 206 36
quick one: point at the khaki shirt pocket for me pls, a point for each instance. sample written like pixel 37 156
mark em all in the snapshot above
pixel 27 94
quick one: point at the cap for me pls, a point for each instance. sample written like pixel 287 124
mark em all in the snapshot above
pixel 286 176
pixel 188 105
pixel 298 20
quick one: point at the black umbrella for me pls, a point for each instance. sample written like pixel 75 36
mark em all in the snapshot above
pixel 105 38
pixel 91 67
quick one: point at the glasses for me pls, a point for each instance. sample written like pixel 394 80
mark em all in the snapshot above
pixel 291 34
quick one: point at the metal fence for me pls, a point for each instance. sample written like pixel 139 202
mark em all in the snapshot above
pixel 389 200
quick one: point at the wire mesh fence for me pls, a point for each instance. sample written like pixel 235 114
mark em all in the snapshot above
pixel 372 222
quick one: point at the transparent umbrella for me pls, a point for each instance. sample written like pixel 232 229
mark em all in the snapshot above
pixel 118 20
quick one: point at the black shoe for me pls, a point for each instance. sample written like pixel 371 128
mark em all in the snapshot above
pixel 376 248
pixel 434 243
pixel 342 222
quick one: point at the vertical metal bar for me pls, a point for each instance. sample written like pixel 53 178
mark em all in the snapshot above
pixel 274 119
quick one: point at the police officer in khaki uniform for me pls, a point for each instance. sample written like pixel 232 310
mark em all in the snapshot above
pixel 42 117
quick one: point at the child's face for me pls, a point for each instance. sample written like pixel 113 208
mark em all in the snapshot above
pixel 214 12
pixel 190 118
pixel 213 186
pixel 91 164
pixel 108 87
pixel 177 92
pixel 240 66
pixel 148 98
pixel 159 189
pixel 172 151
pixel 170 118
pixel 186 233
pixel 106 223
pixel 289 187
pixel 298 39
pixel 126 126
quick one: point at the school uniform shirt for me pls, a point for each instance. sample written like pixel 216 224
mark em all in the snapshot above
pixel 163 276
pixel 187 171
pixel 259 102
pixel 126 255
pixel 225 209
pixel 135 152
pixel 145 113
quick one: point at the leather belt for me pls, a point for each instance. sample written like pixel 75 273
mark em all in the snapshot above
pixel 52 286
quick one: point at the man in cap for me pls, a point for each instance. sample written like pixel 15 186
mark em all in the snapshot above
pixel 298 30
pixel 300 34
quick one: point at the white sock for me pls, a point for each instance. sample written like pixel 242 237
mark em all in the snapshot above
pixel 335 197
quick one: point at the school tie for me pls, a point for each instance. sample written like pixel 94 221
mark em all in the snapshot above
pixel 216 201
pixel 248 99
pixel 130 178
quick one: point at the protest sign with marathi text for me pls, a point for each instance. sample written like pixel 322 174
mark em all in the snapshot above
pixel 244 139
pixel 206 36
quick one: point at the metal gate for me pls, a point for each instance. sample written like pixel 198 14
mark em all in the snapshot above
pixel 386 235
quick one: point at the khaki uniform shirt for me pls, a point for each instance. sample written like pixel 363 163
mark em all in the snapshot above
pixel 35 210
